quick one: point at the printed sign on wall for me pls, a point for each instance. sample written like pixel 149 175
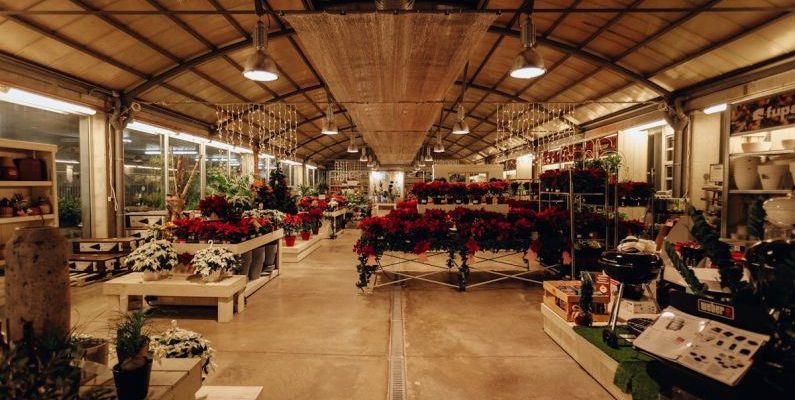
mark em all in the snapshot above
pixel 763 113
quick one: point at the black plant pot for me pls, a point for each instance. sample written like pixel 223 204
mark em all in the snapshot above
pixel 134 384
pixel 437 200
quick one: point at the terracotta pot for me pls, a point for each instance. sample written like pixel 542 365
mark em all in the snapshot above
pixel 744 171
pixel 289 241
pixel 772 176
pixel 37 277
pixel 8 170
pixel 305 235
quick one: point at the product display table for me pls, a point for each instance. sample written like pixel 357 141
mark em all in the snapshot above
pixel 333 215
pixel 225 293
pixel 171 379
pixel 499 208
pixel 241 248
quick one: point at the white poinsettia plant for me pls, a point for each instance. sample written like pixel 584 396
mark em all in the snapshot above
pixel 275 216
pixel 332 205
pixel 212 259
pixel 154 256
pixel 241 203
pixel 182 343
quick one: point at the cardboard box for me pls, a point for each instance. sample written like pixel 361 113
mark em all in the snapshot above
pixel 562 296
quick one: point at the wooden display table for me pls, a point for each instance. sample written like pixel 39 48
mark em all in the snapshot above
pixel 225 293
pixel 333 215
pixel 243 247
pixel 499 208
pixel 598 364
pixel 171 379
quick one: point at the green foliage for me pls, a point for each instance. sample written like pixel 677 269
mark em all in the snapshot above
pixel 307 190
pixel 218 182
pixel 718 252
pixel 131 335
pixel 756 220
pixel 279 197
pixel 69 212
pixel 687 274
pixel 322 188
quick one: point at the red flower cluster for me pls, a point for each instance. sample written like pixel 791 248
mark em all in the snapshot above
pixel 215 204
pixel 585 180
pixel 196 229
pixel 293 224
pixel 458 190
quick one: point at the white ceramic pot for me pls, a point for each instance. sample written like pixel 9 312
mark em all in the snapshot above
pixel 771 176
pixel 150 276
pixel 744 171
pixel 752 147
pixel 788 144
pixel 214 276
pixel 781 211
pixel 787 180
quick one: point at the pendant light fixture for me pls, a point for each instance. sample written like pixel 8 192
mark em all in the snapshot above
pixel 363 157
pixel 352 145
pixel 439 147
pixel 370 162
pixel 420 162
pixel 460 127
pixel 259 66
pixel 329 126
pixel 528 63
pixel 428 156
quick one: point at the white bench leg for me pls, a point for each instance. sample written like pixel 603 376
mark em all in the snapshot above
pixel 118 304
pixel 241 301
pixel 226 308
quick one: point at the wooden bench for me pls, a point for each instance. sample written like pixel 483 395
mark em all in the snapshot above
pixel 225 293
pixel 109 245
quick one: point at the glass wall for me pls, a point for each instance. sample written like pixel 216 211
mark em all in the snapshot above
pixel 144 177
pixel 29 124
pixel 190 152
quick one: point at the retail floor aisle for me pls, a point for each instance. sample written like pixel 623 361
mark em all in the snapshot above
pixel 308 335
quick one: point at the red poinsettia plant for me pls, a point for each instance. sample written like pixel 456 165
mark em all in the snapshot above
pixel 215 204
pixel 292 224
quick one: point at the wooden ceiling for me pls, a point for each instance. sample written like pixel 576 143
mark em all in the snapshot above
pixel 187 54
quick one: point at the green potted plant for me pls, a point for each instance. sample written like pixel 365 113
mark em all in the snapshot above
pixel 131 374
pixel 153 259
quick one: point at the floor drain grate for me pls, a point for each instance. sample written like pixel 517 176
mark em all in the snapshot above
pixel 397 360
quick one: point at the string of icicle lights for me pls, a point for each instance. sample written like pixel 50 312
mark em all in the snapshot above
pixel 271 128
pixel 533 127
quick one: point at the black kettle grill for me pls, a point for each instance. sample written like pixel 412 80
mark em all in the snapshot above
pixel 628 268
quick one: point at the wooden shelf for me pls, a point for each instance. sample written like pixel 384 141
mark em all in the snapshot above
pixel 27 218
pixel 23 184
pixel 759 191
pixel 764 153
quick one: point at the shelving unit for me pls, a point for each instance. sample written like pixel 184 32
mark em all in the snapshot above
pixel 31 190
pixel 735 202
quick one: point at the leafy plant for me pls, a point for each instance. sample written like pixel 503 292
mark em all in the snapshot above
pixel 69 212
pixel 182 343
pixel 218 182
pixel 153 256
pixel 322 188
pixel 132 340
pixel 687 274
pixel 212 259
pixel 718 252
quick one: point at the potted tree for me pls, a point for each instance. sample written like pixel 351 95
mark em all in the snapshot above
pixel 131 374
pixel 153 259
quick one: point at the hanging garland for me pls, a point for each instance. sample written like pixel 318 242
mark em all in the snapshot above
pixel 271 128
pixel 533 126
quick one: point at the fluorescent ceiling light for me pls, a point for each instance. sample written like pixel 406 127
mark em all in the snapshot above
pixel 716 108
pixel 67 161
pixel 147 128
pixel 25 98
pixel 310 166
pixel 141 167
pixel 640 128
pixel 291 162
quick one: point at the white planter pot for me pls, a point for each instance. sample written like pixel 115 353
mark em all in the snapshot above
pixel 781 211
pixel 753 147
pixel 772 176
pixel 744 171
pixel 150 276
pixel 214 276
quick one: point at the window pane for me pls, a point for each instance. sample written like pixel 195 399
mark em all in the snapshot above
pixel 216 164
pixel 143 171
pixel 33 125
pixel 235 162
pixel 190 151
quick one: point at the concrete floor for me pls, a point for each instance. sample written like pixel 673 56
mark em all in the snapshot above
pixel 310 335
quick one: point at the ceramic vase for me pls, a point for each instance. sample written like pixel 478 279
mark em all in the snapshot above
pixel 744 171
pixel 245 262
pixel 271 252
pixel 214 276
pixel 36 279
pixel 781 211
pixel 772 175
pixel 257 260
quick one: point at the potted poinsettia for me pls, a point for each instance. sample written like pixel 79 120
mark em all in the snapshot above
pixel 306 226
pixel 213 263
pixel 182 343
pixel 215 207
pixel 154 259
pixel 292 225
pixel 131 374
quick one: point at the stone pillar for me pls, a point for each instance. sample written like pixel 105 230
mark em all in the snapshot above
pixel 37 283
